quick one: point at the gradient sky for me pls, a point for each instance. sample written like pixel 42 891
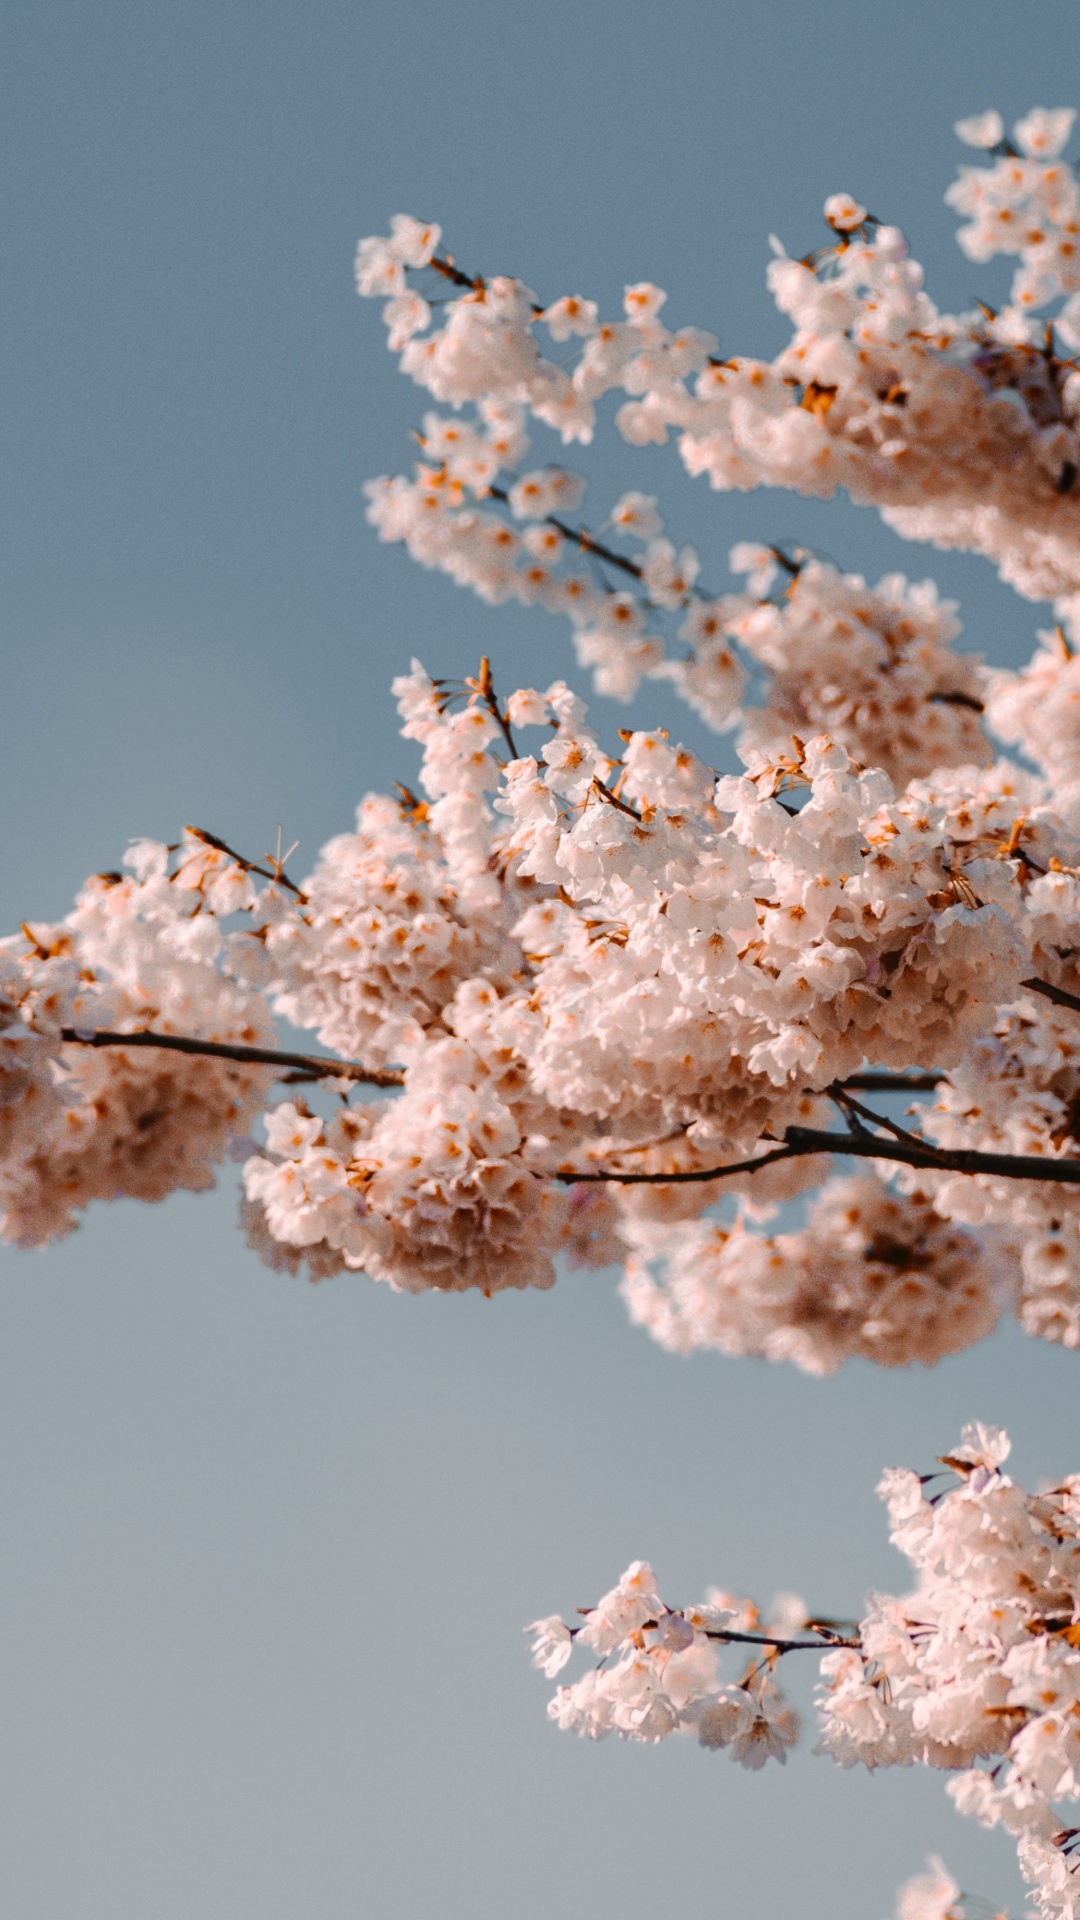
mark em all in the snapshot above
pixel 265 1551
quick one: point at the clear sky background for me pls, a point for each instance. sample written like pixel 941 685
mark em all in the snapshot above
pixel 265 1550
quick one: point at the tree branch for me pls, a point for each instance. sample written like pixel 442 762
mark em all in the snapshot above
pixel 855 1114
pixel 580 538
pixel 450 272
pixel 781 1646
pixel 912 1153
pixel 958 700
pixel 485 687
pixel 307 1066
pixel 1057 994
pixel 475 283
pixel 872 1082
pixel 785 1152
pixel 776 1641
pixel 799 1141
pixel 249 866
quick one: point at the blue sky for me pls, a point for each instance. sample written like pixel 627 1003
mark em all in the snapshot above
pixel 265 1551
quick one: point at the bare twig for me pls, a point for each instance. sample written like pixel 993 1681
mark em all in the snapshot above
pixel 793 567
pixel 304 1066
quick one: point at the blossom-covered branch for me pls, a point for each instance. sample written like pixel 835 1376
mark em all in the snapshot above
pixel 976 1672
pixel 608 962
pixel 275 872
pixel 579 537
pixel 878 392
pixel 308 1066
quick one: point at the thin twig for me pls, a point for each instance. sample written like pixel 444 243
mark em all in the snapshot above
pixel 958 700
pixel 785 1152
pixel 1004 1166
pixel 580 537
pixel 476 284
pixel 776 1641
pixel 485 686
pixel 793 567
pixel 857 1113
pixel 847 1108
pixel 308 1066
pixel 613 799
pixel 782 1646
pixel 458 279
pixel 248 866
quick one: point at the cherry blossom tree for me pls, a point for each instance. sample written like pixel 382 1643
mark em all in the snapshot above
pixel 589 998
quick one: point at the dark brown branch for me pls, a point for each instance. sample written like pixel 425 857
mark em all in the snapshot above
pixel 475 284
pixel 776 1641
pixel 799 1141
pixel 1057 994
pixel 613 800
pixel 872 1082
pixel 458 279
pixel 782 1646
pixel 307 1066
pixel 248 866
pixel 677 1179
pixel 855 1114
pixel 1005 1166
pixel 582 538
pixel 959 700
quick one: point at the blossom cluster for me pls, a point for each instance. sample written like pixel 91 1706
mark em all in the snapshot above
pixel 80 1123
pixel 976 1671
pixel 875 668
pixel 874 1272
pixel 1037 711
pixel 961 429
pixel 658 1670
pixel 1026 204
pixel 872 667
pixel 935 1895
pixel 644 964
